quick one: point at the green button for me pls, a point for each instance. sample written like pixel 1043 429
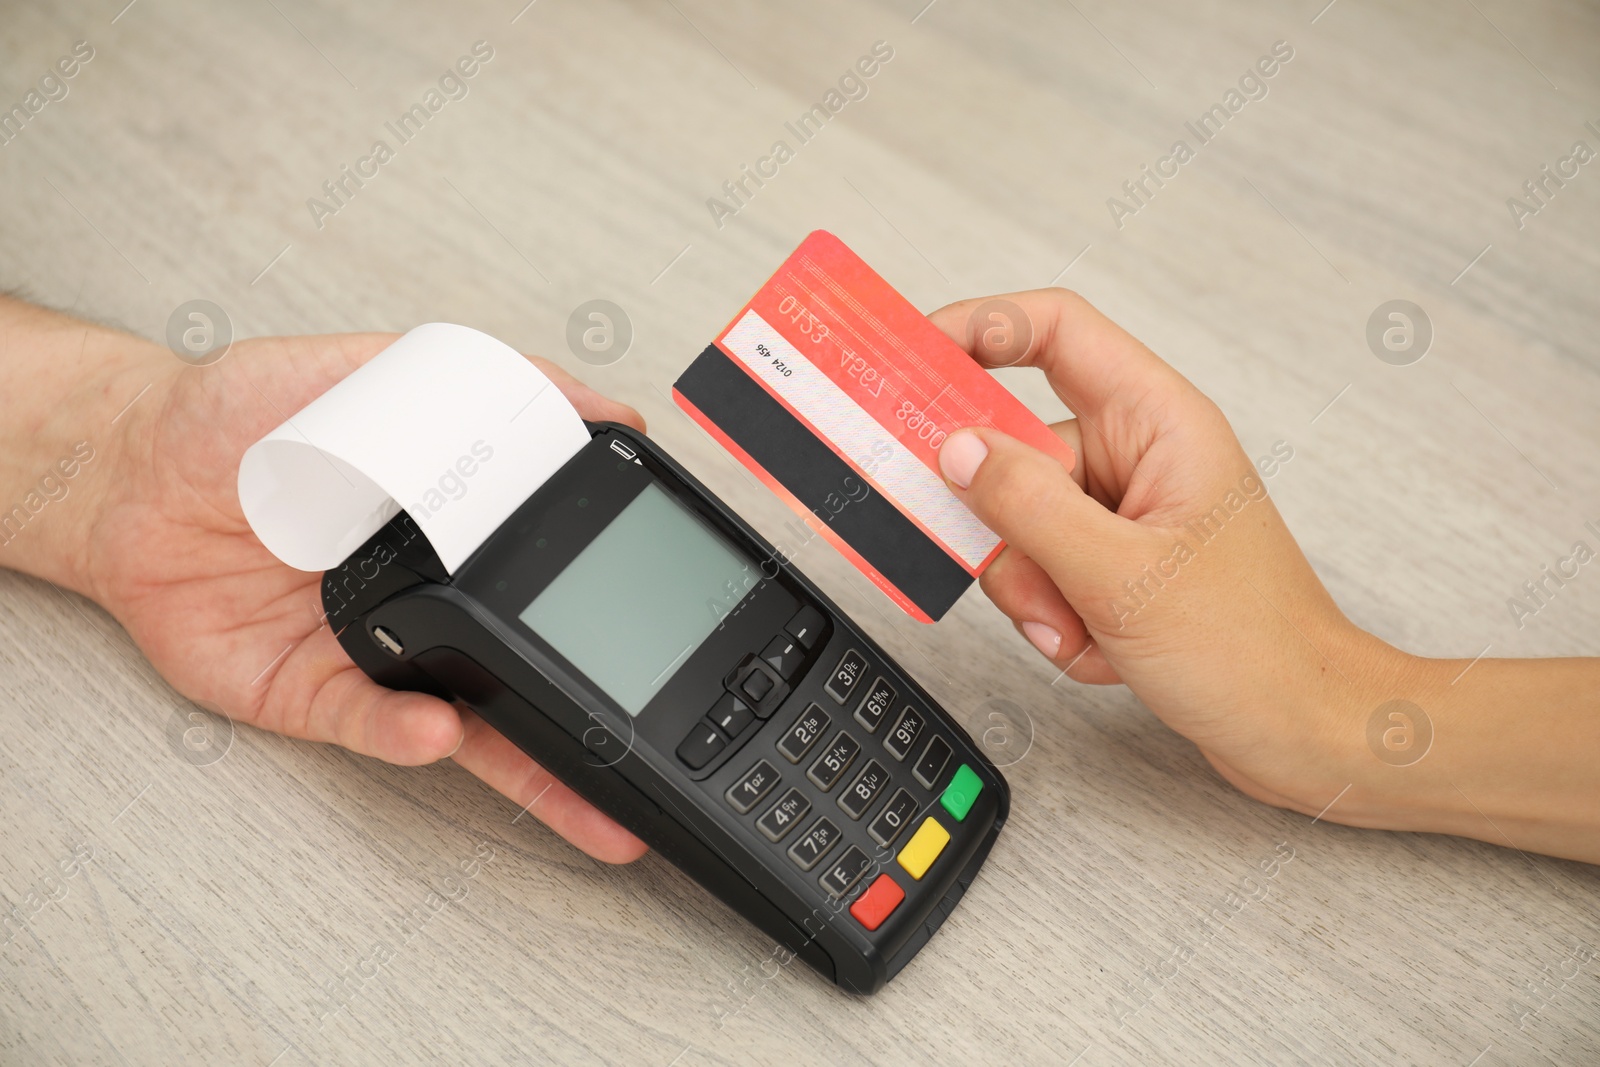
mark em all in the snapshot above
pixel 962 792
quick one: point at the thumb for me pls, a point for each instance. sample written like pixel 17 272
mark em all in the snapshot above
pixel 1033 503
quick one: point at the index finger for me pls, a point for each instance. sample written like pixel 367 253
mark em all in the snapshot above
pixel 1090 361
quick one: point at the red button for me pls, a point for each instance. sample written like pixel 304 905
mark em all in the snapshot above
pixel 876 904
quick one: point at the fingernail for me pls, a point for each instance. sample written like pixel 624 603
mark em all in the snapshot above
pixel 960 456
pixel 1043 637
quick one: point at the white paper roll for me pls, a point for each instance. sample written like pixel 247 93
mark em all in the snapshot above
pixel 448 423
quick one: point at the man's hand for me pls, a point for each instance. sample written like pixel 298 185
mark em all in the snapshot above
pixel 161 543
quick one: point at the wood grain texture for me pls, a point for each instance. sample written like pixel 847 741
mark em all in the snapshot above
pixel 221 900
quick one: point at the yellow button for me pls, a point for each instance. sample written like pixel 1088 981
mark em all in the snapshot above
pixel 923 848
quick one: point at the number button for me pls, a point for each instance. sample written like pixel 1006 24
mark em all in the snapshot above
pixel 803 734
pixel 934 757
pixel 845 872
pixel 905 733
pixel 894 817
pixel 859 797
pixel 875 705
pixel 833 762
pixel 784 816
pixel 846 675
pixel 817 843
pixel 757 782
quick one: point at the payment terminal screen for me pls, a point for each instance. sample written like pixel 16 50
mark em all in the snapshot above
pixel 635 603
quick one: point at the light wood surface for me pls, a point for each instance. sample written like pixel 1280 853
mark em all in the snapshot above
pixel 222 899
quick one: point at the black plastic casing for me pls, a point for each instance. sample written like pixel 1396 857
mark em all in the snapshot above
pixel 461 639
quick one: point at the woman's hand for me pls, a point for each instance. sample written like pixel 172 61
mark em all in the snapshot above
pixel 1161 562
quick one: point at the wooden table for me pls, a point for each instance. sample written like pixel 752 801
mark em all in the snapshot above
pixel 224 899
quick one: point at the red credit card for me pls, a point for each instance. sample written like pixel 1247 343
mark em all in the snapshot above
pixel 837 393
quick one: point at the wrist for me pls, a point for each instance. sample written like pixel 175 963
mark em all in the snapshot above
pixel 1498 750
pixel 1408 747
pixel 1376 733
pixel 73 396
pixel 1338 775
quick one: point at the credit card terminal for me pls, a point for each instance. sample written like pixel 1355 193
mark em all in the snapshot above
pixel 644 644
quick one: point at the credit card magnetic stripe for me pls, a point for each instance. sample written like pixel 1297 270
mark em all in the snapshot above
pixel 840 420
pixel 735 409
